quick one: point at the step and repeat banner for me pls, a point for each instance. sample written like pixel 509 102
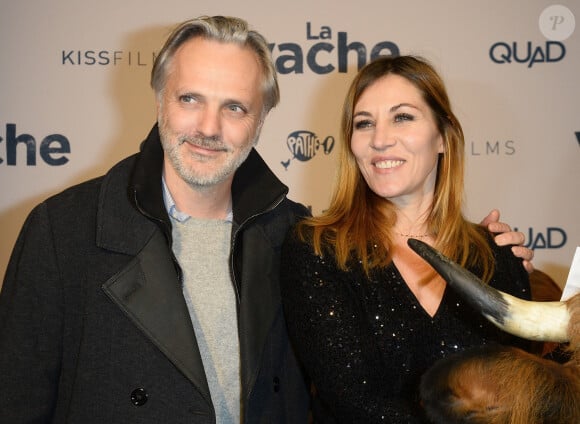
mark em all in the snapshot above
pixel 75 97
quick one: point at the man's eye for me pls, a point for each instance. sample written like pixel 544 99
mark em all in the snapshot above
pixel 186 98
pixel 400 117
pixel 366 123
pixel 236 108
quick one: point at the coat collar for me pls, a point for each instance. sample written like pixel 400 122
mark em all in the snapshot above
pixel 255 187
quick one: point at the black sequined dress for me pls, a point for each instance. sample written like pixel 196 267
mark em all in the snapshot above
pixel 366 343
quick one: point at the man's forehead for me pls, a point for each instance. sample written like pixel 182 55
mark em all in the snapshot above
pixel 208 48
pixel 222 70
pixel 203 55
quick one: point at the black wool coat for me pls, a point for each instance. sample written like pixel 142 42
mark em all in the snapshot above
pixel 93 324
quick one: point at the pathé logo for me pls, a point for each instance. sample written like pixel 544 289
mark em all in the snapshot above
pixel 305 144
pixel 52 150
pixel 552 51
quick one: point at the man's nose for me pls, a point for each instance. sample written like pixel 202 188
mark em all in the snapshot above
pixel 209 122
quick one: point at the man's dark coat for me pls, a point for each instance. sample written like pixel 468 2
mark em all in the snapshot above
pixel 93 323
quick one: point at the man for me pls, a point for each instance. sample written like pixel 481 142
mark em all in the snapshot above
pixel 151 294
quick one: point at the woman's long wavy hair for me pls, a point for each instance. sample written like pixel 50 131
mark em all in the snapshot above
pixel 357 225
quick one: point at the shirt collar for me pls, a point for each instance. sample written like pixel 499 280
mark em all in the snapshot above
pixel 177 214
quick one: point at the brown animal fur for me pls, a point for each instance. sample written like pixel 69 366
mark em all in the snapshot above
pixel 498 384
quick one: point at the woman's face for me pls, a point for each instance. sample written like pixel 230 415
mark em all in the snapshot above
pixel 395 141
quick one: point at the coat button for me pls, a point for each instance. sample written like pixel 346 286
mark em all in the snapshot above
pixel 276 382
pixel 139 397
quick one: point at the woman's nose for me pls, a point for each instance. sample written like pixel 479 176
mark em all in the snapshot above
pixel 383 137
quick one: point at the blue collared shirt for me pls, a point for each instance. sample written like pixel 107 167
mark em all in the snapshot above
pixel 177 214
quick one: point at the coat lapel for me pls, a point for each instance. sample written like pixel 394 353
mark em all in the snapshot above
pixel 256 191
pixel 149 293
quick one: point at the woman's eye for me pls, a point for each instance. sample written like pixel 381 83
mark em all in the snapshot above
pixel 359 125
pixel 401 117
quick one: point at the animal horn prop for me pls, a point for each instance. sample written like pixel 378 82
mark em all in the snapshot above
pixel 543 321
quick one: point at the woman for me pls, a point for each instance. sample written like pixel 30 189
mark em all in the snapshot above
pixel 366 314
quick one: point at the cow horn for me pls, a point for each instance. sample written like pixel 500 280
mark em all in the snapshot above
pixel 542 321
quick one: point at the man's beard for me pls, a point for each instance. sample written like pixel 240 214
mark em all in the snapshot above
pixel 189 173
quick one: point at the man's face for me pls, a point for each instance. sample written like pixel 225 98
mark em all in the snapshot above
pixel 210 111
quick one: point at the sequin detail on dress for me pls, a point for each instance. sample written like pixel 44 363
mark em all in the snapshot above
pixel 366 342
